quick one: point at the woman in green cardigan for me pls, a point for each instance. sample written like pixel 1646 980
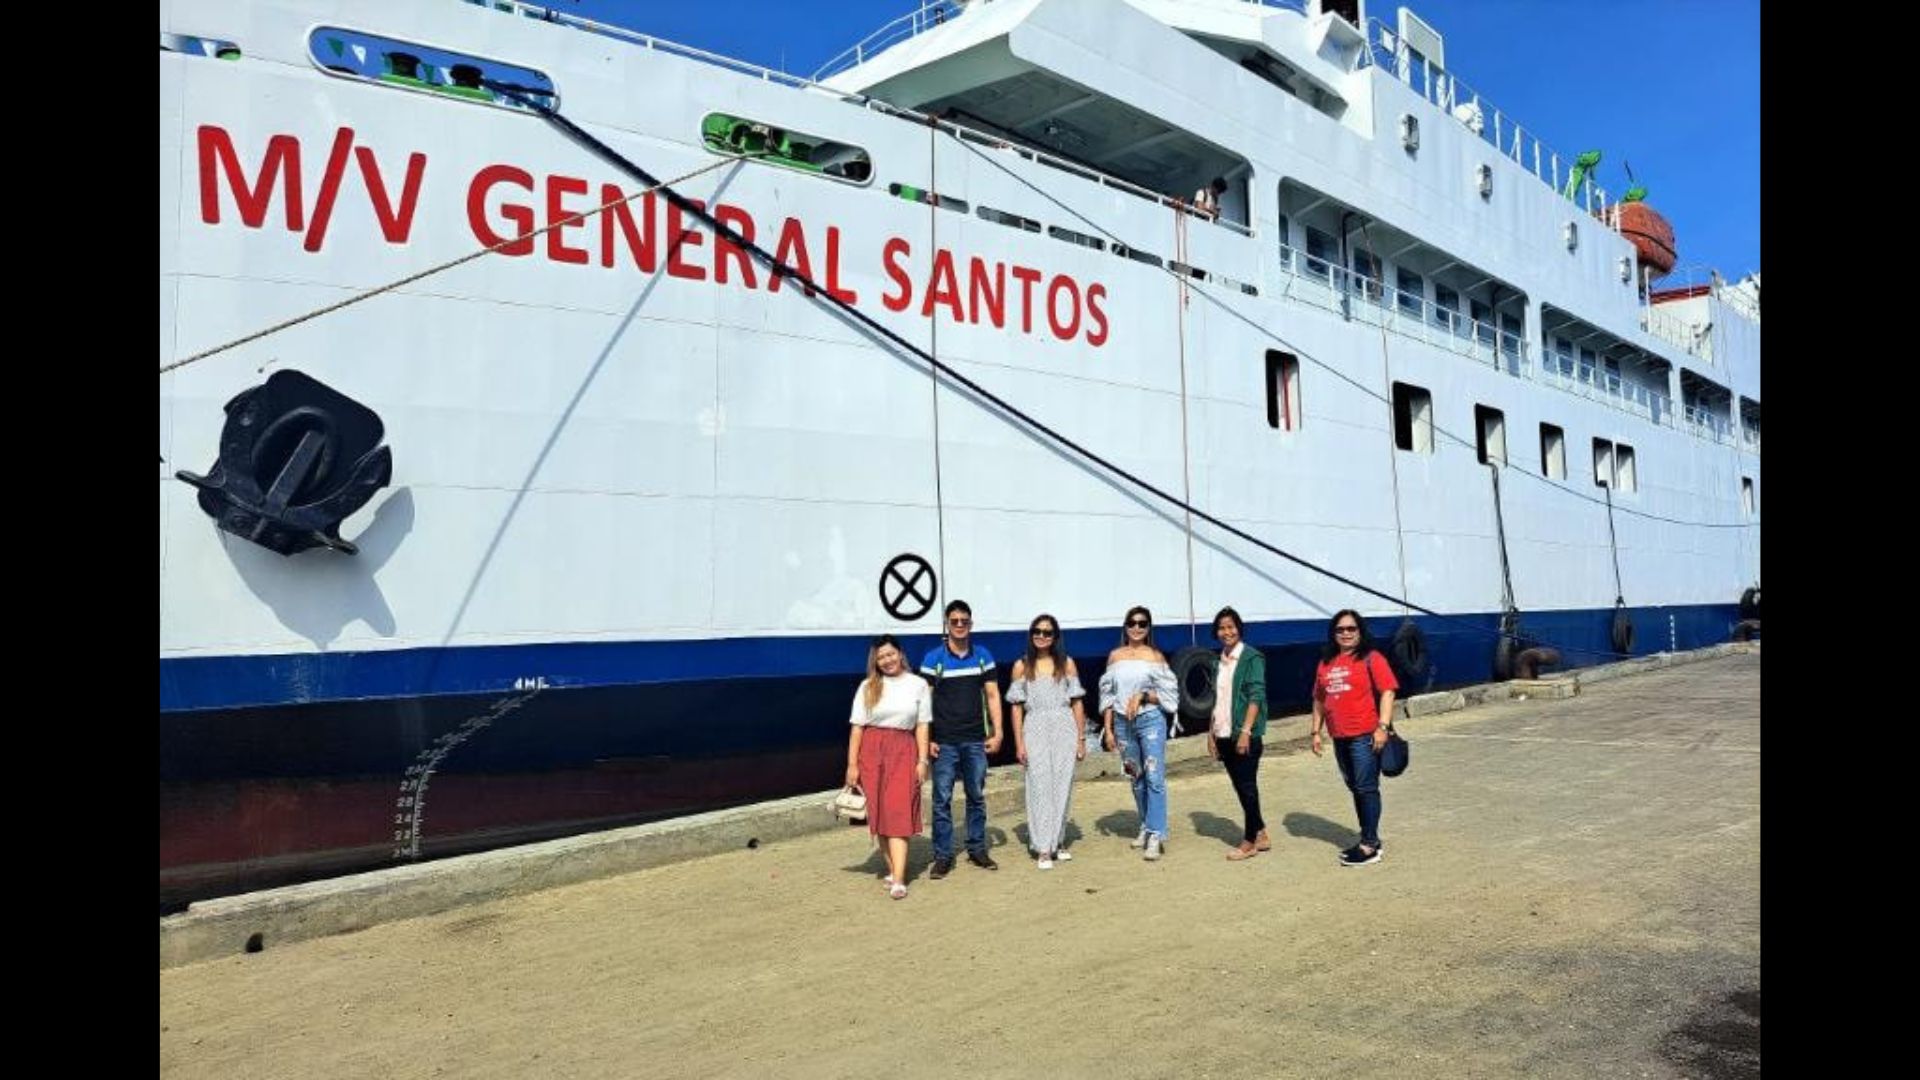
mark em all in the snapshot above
pixel 1239 723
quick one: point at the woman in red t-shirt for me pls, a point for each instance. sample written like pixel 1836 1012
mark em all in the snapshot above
pixel 1351 674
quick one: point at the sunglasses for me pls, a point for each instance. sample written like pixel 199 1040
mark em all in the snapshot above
pixel 1346 629
pixel 959 622
pixel 1138 624
pixel 1045 633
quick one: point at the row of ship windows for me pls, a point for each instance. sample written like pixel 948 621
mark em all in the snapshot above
pixel 1615 464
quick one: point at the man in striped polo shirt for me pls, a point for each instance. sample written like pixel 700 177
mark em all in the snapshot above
pixel 966 728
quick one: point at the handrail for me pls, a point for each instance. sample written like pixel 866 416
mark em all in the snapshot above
pixel 1458 101
pixel 923 18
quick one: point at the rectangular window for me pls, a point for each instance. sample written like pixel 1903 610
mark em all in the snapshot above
pixel 1553 452
pixel 1073 237
pixel 922 195
pixel 1623 471
pixel 1412 418
pixel 1413 290
pixel 1012 221
pixel 1563 349
pixel 1366 272
pixel 1321 253
pixel 1491 424
pixel 1509 336
pixel 1283 391
pixel 1746 495
pixel 1446 309
pixel 1602 463
pixel 1482 321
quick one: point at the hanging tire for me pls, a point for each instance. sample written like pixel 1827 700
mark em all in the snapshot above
pixel 1504 652
pixel 1408 654
pixel 1506 647
pixel 1196 670
pixel 1622 635
pixel 1750 604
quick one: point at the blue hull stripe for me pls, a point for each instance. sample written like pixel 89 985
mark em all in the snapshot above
pixel 227 682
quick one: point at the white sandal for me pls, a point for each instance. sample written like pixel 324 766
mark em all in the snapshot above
pixel 897 891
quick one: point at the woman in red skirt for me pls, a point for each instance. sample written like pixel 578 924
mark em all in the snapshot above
pixel 887 752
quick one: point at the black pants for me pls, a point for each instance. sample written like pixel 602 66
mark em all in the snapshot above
pixel 1244 770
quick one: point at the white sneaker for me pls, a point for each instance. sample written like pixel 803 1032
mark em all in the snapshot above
pixel 1153 849
pixel 1139 841
pixel 1045 863
pixel 1063 855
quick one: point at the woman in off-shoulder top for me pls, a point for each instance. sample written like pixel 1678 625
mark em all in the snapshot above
pixel 1049 733
pixel 1139 691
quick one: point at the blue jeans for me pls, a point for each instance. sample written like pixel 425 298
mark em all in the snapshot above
pixel 969 759
pixel 1360 767
pixel 1143 744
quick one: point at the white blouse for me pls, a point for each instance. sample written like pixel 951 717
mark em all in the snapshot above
pixel 905 700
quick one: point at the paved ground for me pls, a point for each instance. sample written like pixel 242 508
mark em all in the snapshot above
pixel 1571 888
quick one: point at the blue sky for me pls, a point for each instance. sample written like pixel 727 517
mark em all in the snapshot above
pixel 1670 86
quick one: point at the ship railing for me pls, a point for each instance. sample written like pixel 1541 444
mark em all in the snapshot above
pixel 1707 423
pixel 912 24
pixel 1738 300
pixel 1675 332
pixel 938 12
pixel 1461 103
pixel 1595 383
pixel 991 142
pixel 766 74
pixel 1363 298
pixel 648 41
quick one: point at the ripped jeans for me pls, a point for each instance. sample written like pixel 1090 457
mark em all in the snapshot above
pixel 1143 745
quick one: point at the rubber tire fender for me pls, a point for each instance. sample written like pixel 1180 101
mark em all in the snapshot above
pixel 1408 651
pixel 1621 636
pixel 1197 705
pixel 1506 647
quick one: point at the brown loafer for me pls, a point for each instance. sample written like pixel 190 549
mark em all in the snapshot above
pixel 1263 842
pixel 1244 851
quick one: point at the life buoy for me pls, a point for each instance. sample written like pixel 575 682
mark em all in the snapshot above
pixel 1622 634
pixel 1197 670
pixel 1408 653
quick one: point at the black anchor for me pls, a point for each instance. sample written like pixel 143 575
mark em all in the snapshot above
pixel 296 457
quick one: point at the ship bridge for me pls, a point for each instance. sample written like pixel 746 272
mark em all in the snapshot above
pixel 1135 90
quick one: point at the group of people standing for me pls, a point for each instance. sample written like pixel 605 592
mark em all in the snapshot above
pixel 946 721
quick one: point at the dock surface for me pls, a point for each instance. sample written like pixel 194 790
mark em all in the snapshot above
pixel 1570 888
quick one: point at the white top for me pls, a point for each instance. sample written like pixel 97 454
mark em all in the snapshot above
pixel 1223 701
pixel 1125 678
pixel 905 700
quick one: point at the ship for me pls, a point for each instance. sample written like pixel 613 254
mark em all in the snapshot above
pixel 551 414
